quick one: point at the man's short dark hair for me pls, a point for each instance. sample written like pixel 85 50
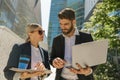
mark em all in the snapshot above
pixel 67 13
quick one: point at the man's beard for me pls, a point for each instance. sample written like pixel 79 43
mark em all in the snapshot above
pixel 68 30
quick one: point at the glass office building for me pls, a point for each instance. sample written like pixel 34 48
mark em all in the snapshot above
pixel 78 6
pixel 16 14
pixel 56 6
pixel 54 29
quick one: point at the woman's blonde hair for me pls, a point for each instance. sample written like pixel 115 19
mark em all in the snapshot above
pixel 30 28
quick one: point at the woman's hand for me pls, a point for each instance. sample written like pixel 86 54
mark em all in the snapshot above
pixel 40 66
pixel 25 75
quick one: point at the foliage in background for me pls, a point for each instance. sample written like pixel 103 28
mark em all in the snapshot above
pixel 108 71
pixel 105 24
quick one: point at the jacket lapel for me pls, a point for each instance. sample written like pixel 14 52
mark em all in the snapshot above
pixel 77 39
pixel 27 52
pixel 62 43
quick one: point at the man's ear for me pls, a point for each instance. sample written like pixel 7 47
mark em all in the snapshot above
pixel 29 34
pixel 74 21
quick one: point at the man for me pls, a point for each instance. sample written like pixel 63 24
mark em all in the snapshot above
pixel 61 54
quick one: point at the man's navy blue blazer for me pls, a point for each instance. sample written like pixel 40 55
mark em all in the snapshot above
pixel 17 51
pixel 58 50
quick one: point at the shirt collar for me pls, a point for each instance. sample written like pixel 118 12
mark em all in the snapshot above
pixel 76 31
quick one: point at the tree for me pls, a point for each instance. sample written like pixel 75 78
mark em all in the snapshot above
pixel 102 25
pixel 105 23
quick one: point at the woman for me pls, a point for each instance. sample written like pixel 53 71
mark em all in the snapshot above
pixel 37 56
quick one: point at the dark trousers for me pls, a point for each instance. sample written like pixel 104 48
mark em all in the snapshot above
pixel 62 78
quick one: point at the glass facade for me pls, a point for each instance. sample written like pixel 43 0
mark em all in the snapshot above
pixel 58 5
pixel 16 14
pixel 78 6
pixel 54 29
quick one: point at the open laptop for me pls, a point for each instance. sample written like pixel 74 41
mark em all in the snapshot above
pixel 90 53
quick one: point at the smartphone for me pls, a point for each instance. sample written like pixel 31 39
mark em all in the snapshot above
pixel 69 67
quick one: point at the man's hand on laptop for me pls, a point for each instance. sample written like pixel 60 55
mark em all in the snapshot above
pixel 85 71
